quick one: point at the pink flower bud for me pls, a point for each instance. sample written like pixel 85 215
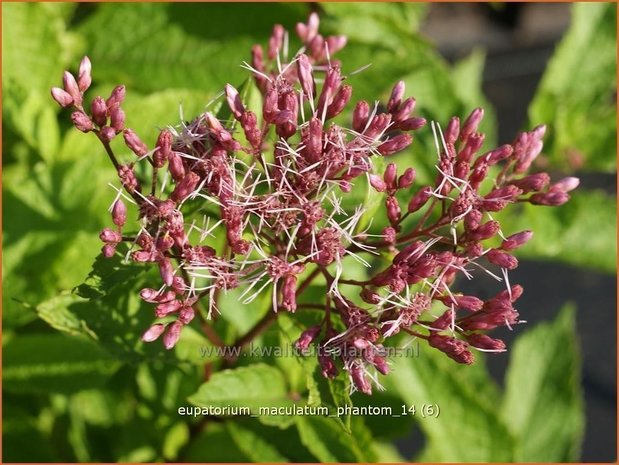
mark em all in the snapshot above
pixel 420 199
pixel 329 89
pixel 485 231
pixel 407 178
pixel 166 271
pixel 153 333
pixel 185 187
pixel 309 31
pixel 117 119
pixel 154 296
pixel 393 209
pixel 119 213
pixel 565 185
pixel 186 315
pixel 380 364
pixel 234 102
pixel 289 293
pixel 391 172
pixel 550 199
pixel 472 220
pixel 81 121
pixel 276 40
pixel 172 335
pixel 377 183
pixel 453 130
pixel 61 97
pixel 164 148
pixel 411 124
pixel 389 235
pixel 116 97
pixel 307 337
pixel 106 134
pixel 178 285
pixel 445 320
pixel 176 166
pixel 502 259
pixel 454 348
pixel 533 182
pixel 71 87
pixel 84 78
pixel 359 379
pixel 99 111
pixel 471 124
pixel 269 106
pixel 498 154
pixel 108 250
pixel 482 341
pixel 377 126
pixel 336 43
pixel 465 302
pixel 360 116
pixel 134 143
pixel 110 236
pixel 340 100
pixel 397 93
pixel 516 240
pixel 395 144
pixel 369 296
pixel 306 78
pixel 313 143
pixel 404 111
pixel 328 368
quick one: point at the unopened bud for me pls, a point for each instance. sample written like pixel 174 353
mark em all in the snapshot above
pixel 117 119
pixel 164 148
pixel 234 102
pixel 166 271
pixel 135 143
pixel 307 337
pixel 81 121
pixel 119 213
pixel 471 124
pixel 419 199
pixel 516 240
pixel 407 178
pixel 172 335
pixel 108 250
pixel 84 78
pixel 153 333
pixel 393 209
pixel 411 124
pixel 502 259
pixel 340 100
pixel 306 78
pixel 110 236
pixel 116 98
pixel 482 341
pixel 453 130
pixel 391 172
pixel 106 134
pixel 185 187
pixel 71 87
pixel 360 116
pixel 550 199
pixel 99 111
pixel 397 93
pixel 377 183
pixel 395 144
pixel 565 185
pixel 61 97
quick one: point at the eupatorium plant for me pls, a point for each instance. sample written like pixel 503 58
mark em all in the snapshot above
pixel 279 182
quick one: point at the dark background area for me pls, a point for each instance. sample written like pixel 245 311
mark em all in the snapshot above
pixel 519 39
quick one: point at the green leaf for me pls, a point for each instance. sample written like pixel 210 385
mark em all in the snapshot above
pixel 468 427
pixel 214 445
pixel 54 363
pixel 254 386
pixel 55 312
pixel 576 96
pixel 255 447
pixel 543 404
pixel 582 232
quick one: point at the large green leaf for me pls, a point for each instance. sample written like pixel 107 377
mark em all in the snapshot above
pixel 576 97
pixel 54 363
pixel 543 404
pixel 468 427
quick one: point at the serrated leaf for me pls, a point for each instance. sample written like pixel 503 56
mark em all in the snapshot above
pixel 54 363
pixel 576 95
pixel 543 404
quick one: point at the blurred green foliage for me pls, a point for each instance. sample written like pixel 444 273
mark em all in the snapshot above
pixel 78 384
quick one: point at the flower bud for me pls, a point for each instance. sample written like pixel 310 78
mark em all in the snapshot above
pixel 71 87
pixel 99 111
pixel 453 130
pixel 471 123
pixel 454 348
pixel 176 166
pixel 84 78
pixel 565 185
pixel 482 341
pixel 108 250
pixel 81 121
pixel 411 124
pixel 472 220
pixel 328 368
pixel 153 333
pixel 276 40
pixel 404 111
pixel 306 78
pixel 531 183
pixel 117 119
pixel 359 379
pixel 336 43
pixel 377 183
pixel 395 144
pixel 389 235
pixel 234 102
pixel 391 172
pixel 307 337
pixel 119 213
pixel 164 148
pixel 393 209
pixel 289 293
pixel 407 178
pixel 445 320
pixel 550 199
pixel 116 97
pixel 502 259
pixel 340 100
pixel 309 31
pixel 186 315
pixel 110 236
pixel 516 240
pixel 420 199
pixel 106 134
pixel 329 88
pixel 397 93
pixel 172 335
pixel 134 143
pixel 185 187
pixel 369 296
pixel 61 97
pixel 166 271
pixel 380 364
pixel 465 302
pixel 485 231
pixel 360 116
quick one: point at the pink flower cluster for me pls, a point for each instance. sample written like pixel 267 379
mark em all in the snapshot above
pixel 278 181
